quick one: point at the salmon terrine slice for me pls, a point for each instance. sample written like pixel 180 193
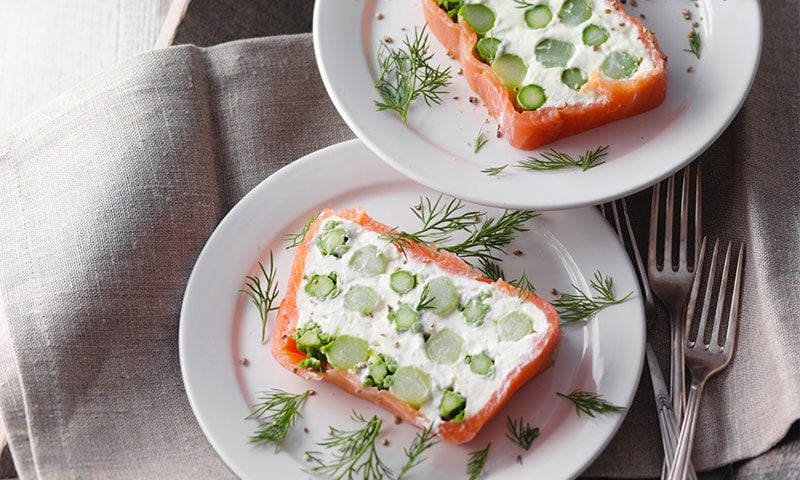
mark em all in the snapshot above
pixel 547 69
pixel 415 330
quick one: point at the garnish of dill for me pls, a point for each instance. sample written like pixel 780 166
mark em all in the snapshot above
pixel 277 412
pixel 574 307
pixel 590 403
pixel 263 295
pixel 694 44
pixel 556 160
pixel 480 140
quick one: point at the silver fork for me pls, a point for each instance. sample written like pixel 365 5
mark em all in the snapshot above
pixel 672 284
pixel 706 359
pixel 667 422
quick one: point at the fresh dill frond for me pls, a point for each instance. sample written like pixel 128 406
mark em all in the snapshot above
pixel 277 412
pixel 425 299
pixel 590 403
pixel 352 453
pixel 494 171
pixel 406 74
pixel 574 307
pixel 296 239
pixel 555 160
pixel 491 236
pixel 424 440
pixel 524 284
pixel 490 269
pixel 524 4
pixel 480 140
pixel 477 462
pixel 694 44
pixel 441 219
pixel 263 296
pixel 521 432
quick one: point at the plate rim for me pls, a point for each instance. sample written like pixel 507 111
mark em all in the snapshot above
pixel 350 118
pixel 251 196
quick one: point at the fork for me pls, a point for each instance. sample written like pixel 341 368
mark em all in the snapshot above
pixel 706 359
pixel 670 282
pixel 667 422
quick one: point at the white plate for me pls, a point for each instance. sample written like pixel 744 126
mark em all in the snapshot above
pixel 434 147
pixel 218 327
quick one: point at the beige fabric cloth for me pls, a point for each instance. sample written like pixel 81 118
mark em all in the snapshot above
pixel 107 196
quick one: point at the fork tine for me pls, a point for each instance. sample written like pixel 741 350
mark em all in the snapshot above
pixel 733 317
pixel 668 217
pixel 684 232
pixel 637 257
pixel 698 211
pixel 707 298
pixel 652 263
pixel 698 277
pixel 723 290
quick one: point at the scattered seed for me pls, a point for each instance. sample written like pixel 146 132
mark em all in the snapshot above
pixel 396 344
pixel 379 16
pixel 456 97
pixel 687 15
pixel 634 3
pixel 695 24
pixel 385 442
pixel 305 429
pixel 499 132
pixel 311 393
pixel 621 24
pixel 690 70
pixel 387 39
pixel 403 29
pixel 607 10
pixel 460 71
pixel 451 55
pixel 473 100
pixel 554 292
pixel 642 15
pixel 517 253
pixel 244 361
pixel 397 420
pixel 623 2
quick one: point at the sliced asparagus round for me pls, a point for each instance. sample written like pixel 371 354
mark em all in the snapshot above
pixel 478 16
pixel 368 260
pixel 574 78
pixel 511 69
pixel 362 299
pixel 554 53
pixel 411 385
pixel 442 295
pixel 531 97
pixel 538 16
pixel 346 352
pixel 322 286
pixel 444 347
pixel 575 12
pixel 594 35
pixel 487 48
pixel 402 282
pixel 405 318
pixel 514 326
pixel 619 65
pixel 480 364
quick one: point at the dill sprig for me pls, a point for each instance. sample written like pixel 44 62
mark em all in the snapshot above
pixel 521 432
pixel 694 44
pixel 590 403
pixel 555 160
pixel 296 239
pixel 491 236
pixel 353 453
pixel 425 300
pixel 524 284
pixel 407 74
pixel 277 412
pixel 524 4
pixel 491 270
pixel 424 440
pixel 574 307
pixel 476 463
pixel 480 140
pixel 263 297
pixel 494 171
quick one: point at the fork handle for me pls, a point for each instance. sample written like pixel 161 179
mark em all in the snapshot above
pixel 677 369
pixel 683 452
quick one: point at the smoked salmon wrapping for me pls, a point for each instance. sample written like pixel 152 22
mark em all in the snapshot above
pixel 285 351
pixel 528 130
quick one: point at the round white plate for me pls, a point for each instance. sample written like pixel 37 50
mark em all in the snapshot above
pixel 435 146
pixel 219 327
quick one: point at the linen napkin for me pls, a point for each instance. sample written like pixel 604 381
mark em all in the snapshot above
pixel 107 196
